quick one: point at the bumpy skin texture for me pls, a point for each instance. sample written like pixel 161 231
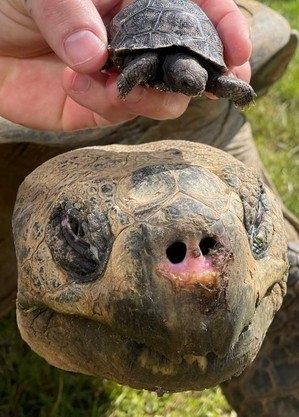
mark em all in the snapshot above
pixel 170 28
pixel 216 123
pixel 16 162
pixel 270 386
pixel 99 289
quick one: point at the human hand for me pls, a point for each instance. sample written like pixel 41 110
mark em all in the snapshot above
pixel 39 38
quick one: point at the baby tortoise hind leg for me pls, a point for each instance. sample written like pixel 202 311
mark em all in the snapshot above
pixel 238 91
pixel 270 386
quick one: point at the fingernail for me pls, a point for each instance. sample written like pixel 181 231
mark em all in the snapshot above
pixel 81 83
pixel 83 46
pixel 136 95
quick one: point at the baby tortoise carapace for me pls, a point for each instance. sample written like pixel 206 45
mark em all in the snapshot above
pixel 172 45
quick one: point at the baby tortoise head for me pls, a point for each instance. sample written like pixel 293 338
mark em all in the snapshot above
pixel 157 265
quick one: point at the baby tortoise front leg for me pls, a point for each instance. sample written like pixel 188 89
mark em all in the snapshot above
pixel 138 71
pixel 240 92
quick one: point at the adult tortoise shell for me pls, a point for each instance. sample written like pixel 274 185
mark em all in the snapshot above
pixel 172 46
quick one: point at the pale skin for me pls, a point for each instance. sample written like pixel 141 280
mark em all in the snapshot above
pixel 50 75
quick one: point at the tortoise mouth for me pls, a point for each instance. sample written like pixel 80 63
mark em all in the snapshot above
pixel 87 346
pixel 84 345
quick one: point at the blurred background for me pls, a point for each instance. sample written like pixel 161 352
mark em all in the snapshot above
pixel 29 387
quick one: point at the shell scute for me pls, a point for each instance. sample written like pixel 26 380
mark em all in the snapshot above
pixel 145 21
pixel 153 24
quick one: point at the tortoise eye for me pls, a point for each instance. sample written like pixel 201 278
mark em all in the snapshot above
pixel 73 233
pixel 259 225
pixel 71 240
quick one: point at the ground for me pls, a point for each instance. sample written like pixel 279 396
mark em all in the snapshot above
pixel 30 388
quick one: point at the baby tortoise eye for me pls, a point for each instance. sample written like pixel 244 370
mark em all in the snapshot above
pixel 80 243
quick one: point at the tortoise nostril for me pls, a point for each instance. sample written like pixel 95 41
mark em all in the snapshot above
pixel 207 244
pixel 176 252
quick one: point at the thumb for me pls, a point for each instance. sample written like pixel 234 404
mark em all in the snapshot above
pixel 74 30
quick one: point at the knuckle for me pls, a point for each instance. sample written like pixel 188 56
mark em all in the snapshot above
pixel 55 11
pixel 53 8
pixel 107 119
pixel 174 105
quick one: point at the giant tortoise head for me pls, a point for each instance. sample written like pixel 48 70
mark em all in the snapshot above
pixel 159 266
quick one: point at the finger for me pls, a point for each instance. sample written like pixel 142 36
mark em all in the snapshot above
pixel 232 28
pixel 234 33
pixel 80 111
pixel 99 93
pixel 243 72
pixel 149 102
pixel 76 117
pixel 211 96
pixel 74 30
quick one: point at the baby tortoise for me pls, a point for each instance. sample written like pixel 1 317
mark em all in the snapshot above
pixel 172 45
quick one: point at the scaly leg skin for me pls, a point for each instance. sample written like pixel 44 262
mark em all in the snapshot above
pixel 241 93
pixel 136 72
pixel 270 386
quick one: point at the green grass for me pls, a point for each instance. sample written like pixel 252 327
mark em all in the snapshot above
pixel 29 387
pixel 275 121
